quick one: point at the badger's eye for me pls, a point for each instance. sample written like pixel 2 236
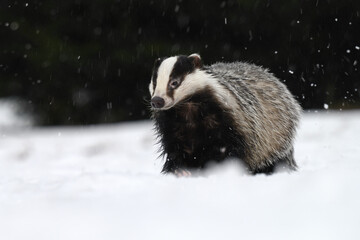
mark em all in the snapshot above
pixel 174 83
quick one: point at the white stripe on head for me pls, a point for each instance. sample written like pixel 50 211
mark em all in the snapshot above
pixel 164 72
pixel 151 87
pixel 192 83
pixel 198 81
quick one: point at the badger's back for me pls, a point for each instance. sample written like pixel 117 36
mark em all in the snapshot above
pixel 266 114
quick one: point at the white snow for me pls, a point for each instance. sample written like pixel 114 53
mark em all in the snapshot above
pixel 103 182
pixel 12 116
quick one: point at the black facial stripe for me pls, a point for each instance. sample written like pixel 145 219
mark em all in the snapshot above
pixel 182 67
pixel 155 71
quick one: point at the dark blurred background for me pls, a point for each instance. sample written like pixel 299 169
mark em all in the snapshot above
pixel 89 61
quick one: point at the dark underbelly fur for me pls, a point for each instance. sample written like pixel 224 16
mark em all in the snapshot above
pixel 196 132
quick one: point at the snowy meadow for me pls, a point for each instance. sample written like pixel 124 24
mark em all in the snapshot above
pixel 104 182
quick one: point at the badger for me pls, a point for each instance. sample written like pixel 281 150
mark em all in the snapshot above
pixel 206 114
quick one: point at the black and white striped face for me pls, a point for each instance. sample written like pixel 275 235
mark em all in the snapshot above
pixel 174 79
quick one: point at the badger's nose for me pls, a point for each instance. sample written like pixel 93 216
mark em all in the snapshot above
pixel 157 102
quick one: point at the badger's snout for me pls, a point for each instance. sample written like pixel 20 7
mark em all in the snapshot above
pixel 157 102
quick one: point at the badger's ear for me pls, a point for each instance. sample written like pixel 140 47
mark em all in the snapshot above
pixel 196 60
pixel 158 61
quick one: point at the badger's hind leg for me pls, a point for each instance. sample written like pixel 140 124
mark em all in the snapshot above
pixel 286 162
pixel 289 160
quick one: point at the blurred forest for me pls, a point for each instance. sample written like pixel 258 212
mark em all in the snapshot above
pixel 89 61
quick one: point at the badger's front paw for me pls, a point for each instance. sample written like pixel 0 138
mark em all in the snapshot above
pixel 182 173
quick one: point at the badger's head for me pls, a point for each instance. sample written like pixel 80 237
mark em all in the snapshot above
pixel 173 80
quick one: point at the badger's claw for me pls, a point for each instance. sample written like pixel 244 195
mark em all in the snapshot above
pixel 182 173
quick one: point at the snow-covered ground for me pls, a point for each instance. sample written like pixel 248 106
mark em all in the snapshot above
pixel 103 182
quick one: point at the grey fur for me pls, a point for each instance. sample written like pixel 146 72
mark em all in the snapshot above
pixel 267 114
